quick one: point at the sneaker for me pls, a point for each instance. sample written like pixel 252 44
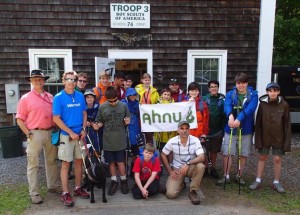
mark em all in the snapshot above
pixel 278 187
pixel 81 193
pixel 113 187
pixel 194 197
pixel 67 199
pixel 57 190
pixel 242 181
pixel 254 186
pixel 124 186
pixel 37 199
pixel 222 181
pixel 214 173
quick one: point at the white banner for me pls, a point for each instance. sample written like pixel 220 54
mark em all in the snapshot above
pixel 165 117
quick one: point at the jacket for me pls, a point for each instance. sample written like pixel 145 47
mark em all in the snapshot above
pixel 217 118
pixel 154 96
pixel 100 93
pixel 246 114
pixel 134 128
pixel 273 124
pixel 178 96
pixel 202 118
pixel 164 137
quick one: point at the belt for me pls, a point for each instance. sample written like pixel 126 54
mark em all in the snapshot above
pixel 42 129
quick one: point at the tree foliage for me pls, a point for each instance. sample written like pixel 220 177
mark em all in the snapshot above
pixel 287 33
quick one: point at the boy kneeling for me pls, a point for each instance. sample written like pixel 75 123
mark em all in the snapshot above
pixel 146 169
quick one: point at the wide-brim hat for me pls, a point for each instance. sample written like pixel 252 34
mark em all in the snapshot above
pixel 37 73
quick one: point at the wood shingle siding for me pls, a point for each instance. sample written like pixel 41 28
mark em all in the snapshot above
pixel 84 27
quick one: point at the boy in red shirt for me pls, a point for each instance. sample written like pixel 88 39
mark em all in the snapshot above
pixel 146 169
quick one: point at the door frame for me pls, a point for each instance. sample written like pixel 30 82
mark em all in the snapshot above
pixel 134 54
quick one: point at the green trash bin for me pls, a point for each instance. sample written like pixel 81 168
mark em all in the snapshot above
pixel 11 142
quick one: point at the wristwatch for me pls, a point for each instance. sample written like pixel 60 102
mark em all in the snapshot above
pixel 188 163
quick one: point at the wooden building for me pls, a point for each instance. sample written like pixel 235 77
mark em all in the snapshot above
pixel 191 40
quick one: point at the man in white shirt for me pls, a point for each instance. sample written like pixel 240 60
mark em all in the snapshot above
pixel 188 157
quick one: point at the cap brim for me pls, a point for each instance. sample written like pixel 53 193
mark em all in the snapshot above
pixel 45 77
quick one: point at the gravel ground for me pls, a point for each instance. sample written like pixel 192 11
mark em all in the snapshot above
pixel 13 170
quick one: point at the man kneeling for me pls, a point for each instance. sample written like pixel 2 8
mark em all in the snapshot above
pixel 188 157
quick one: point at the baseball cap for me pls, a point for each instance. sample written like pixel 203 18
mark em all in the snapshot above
pixel 272 85
pixel 182 123
pixel 173 81
pixel 89 92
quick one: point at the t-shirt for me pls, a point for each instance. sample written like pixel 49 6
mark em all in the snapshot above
pixel 114 134
pixel 147 168
pixel 70 108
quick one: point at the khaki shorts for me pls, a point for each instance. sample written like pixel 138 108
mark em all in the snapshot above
pixel 67 151
pixel 245 147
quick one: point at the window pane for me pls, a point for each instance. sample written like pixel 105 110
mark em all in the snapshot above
pixel 53 67
pixel 206 69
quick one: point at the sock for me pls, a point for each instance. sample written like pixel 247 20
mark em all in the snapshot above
pixel 258 180
pixel 64 193
pixel 76 188
pixel 123 177
pixel 275 181
pixel 113 178
pixel 227 176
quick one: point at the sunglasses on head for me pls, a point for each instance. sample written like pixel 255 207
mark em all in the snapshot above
pixel 173 80
pixel 70 80
pixel 113 101
pixel 82 81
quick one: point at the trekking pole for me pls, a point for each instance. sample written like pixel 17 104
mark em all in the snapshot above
pixel 95 152
pixel 127 149
pixel 239 157
pixel 229 147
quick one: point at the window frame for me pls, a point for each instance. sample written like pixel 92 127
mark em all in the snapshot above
pixel 219 54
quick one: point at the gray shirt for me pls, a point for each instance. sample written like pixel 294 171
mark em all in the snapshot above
pixel 112 117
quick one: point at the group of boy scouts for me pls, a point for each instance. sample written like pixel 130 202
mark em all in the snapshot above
pixel 225 124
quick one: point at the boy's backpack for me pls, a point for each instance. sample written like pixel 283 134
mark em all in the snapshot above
pixel 141 155
pixel 219 104
pixel 201 105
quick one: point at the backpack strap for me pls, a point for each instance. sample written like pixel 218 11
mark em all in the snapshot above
pixel 99 90
pixel 179 98
pixel 201 106
pixel 142 161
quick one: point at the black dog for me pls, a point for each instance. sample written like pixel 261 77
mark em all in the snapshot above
pixel 96 176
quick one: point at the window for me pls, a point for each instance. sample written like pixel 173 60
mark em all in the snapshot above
pixel 206 65
pixel 53 63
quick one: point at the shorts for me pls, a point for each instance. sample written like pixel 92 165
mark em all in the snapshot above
pixel 215 143
pixel 275 151
pixel 114 156
pixel 69 150
pixel 245 147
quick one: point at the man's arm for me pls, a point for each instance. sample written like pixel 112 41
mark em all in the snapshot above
pixel 22 126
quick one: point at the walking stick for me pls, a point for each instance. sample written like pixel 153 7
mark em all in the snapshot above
pixel 239 157
pixel 229 147
pixel 127 150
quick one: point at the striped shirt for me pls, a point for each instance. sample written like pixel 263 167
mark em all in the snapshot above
pixel 182 154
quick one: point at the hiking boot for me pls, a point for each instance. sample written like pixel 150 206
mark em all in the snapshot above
pixel 254 186
pixel 278 187
pixel 36 199
pixel 124 186
pixel 113 187
pixel 57 190
pixel 242 181
pixel 81 193
pixel 222 181
pixel 67 199
pixel 194 197
pixel 214 173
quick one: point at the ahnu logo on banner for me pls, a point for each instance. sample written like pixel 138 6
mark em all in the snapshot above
pixel 165 117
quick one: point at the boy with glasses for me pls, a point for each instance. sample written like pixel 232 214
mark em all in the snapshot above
pixel 114 116
pixel 69 114
pixel 82 82
pixel 188 158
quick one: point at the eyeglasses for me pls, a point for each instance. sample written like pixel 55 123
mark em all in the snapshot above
pixel 82 81
pixel 70 80
pixel 113 101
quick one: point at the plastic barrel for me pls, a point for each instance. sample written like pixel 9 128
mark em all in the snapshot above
pixel 10 140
